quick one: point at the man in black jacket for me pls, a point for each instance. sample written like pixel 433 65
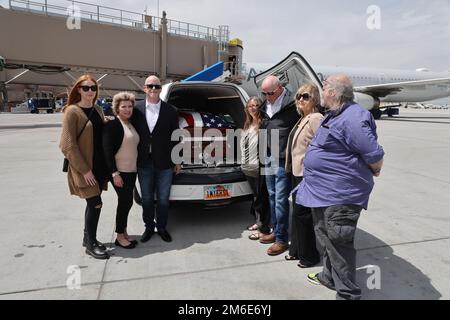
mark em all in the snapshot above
pixel 281 116
pixel 156 121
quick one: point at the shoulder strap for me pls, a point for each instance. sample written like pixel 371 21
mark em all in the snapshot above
pixel 89 118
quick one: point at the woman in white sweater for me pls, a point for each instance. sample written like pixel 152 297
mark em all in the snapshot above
pixel 249 151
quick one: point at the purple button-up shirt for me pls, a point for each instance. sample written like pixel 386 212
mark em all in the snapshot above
pixel 337 160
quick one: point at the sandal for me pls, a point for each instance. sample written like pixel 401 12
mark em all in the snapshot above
pixel 252 227
pixel 254 236
pixel 306 265
pixel 290 258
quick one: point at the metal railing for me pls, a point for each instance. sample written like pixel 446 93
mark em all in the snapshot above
pixel 192 30
pixel 102 14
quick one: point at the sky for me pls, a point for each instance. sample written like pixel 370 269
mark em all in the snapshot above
pixel 412 33
pixel 409 34
pixel 400 34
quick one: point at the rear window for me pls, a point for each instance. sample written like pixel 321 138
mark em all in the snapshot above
pixel 222 101
pixel 208 107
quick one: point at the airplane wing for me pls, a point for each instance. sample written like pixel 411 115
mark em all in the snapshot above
pixel 411 91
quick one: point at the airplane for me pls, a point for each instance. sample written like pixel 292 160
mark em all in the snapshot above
pixel 205 179
pixel 372 87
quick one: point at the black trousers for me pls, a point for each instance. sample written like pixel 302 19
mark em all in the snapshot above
pixel 254 181
pixel 92 216
pixel 125 200
pixel 303 237
pixel 262 206
pixel 94 204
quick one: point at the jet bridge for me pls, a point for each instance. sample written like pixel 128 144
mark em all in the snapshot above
pixel 50 43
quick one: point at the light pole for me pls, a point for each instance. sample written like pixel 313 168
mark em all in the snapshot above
pixel 157 6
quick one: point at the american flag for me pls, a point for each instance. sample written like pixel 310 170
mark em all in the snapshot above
pixel 189 119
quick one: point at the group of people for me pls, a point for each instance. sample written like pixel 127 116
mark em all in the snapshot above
pixel 325 156
pixel 118 150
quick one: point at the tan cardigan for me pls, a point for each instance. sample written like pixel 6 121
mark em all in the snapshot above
pixel 79 153
pixel 301 136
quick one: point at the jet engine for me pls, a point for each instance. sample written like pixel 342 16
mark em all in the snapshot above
pixel 366 101
pixel 370 103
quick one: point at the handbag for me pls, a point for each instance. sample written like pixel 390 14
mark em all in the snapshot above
pixel 65 167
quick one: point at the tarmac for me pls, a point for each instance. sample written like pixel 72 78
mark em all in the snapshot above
pixel 402 240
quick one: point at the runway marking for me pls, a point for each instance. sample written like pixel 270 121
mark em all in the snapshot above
pixel 403 244
pixel 104 270
pixel 177 274
pixel 418 121
pixel 417 174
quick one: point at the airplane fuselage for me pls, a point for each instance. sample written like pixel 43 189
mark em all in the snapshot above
pixel 370 77
pixel 362 77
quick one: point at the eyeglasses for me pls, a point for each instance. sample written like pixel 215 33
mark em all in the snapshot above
pixel 86 88
pixel 253 107
pixel 153 86
pixel 304 96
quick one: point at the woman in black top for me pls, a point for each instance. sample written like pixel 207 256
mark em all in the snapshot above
pixel 81 143
pixel 120 142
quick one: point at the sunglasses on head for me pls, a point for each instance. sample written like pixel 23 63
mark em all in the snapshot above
pixel 87 88
pixel 153 86
pixel 304 96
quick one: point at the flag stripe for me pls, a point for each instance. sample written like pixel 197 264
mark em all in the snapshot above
pixel 186 120
pixel 198 122
pixel 207 120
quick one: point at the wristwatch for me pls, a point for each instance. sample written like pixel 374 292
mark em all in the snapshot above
pixel 115 174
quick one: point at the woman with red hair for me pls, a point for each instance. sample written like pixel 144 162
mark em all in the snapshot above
pixel 81 144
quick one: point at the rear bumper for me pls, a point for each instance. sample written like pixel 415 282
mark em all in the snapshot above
pixel 206 176
pixel 196 193
pixel 212 204
pixel 189 187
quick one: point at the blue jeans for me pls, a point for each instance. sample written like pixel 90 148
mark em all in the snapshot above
pixel 279 186
pixel 151 180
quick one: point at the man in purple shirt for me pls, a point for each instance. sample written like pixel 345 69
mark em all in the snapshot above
pixel 340 164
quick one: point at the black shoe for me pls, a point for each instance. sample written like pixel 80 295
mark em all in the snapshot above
pixel 135 242
pixel 95 251
pixel 99 244
pixel 130 246
pixel 148 234
pixel 165 236
pixel 304 265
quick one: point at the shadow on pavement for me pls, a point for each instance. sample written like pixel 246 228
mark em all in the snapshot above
pixel 194 225
pixel 399 279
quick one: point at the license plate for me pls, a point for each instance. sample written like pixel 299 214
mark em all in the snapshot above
pixel 217 192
